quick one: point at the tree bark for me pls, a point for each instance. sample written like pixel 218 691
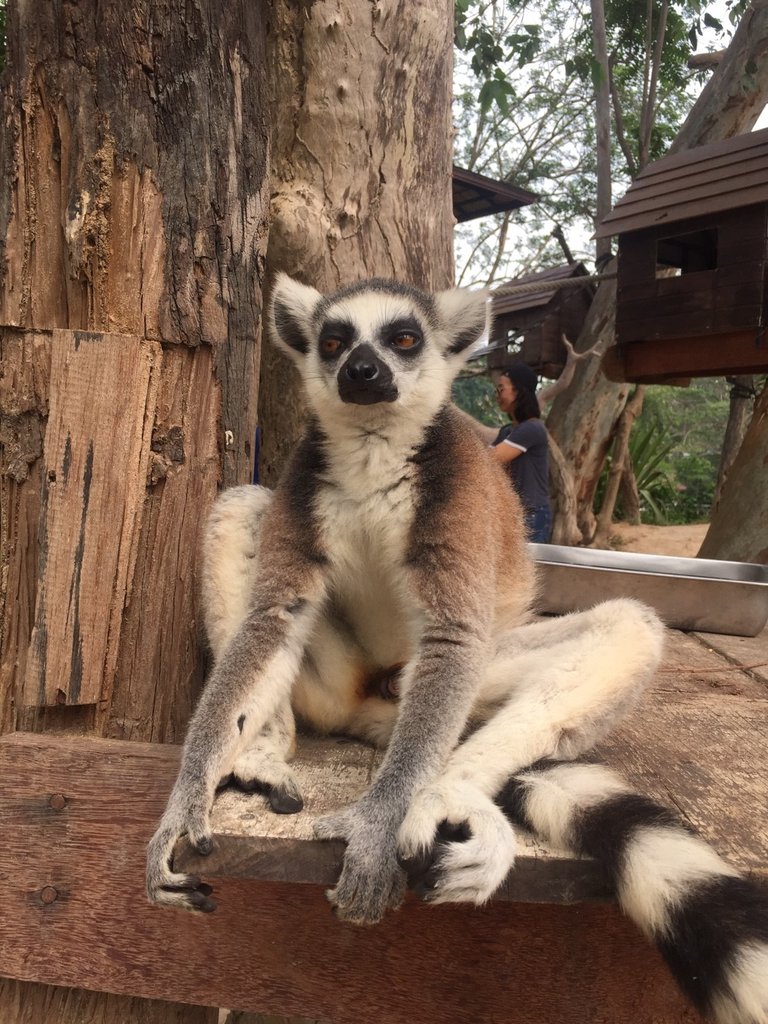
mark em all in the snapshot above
pixel 737 530
pixel 565 528
pixel 627 419
pixel 602 124
pixel 583 420
pixel 739 415
pixel 133 207
pixel 630 496
pixel 361 175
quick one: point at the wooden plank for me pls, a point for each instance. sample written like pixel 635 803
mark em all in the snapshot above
pixel 650 361
pixel 25 357
pixel 698 665
pixel 28 1003
pixel 749 652
pixel 97 447
pixel 636 324
pixel 688 303
pixel 161 631
pixel 274 947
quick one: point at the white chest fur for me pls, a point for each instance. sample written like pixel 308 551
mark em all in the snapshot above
pixel 366 512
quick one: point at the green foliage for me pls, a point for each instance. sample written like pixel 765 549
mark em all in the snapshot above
pixel 675 448
pixel 524 112
pixel 477 396
pixel 649 448
pixel 695 418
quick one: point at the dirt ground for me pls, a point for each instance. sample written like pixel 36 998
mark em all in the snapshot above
pixel 683 541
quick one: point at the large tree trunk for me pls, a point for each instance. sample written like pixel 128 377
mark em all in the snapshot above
pixel 583 420
pixel 133 207
pixel 361 163
pixel 737 531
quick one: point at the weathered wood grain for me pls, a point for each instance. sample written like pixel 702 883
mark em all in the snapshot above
pixel 73 913
pixel 25 360
pixel 749 652
pixel 47 1004
pixel 97 448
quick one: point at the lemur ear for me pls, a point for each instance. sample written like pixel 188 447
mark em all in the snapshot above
pixel 464 315
pixel 290 314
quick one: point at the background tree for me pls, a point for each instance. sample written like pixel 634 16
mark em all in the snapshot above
pixel 361 178
pixel 650 90
pixel 134 183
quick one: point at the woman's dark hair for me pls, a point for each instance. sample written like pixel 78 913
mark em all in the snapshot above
pixel 526 404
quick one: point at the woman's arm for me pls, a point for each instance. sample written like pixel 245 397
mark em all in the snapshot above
pixel 505 453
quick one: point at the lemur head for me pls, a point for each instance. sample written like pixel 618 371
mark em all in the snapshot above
pixel 376 344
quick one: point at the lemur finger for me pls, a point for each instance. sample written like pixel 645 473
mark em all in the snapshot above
pixel 195 900
pixel 333 826
pixel 364 899
pixel 202 844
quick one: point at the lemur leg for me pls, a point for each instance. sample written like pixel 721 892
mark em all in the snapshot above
pixel 262 766
pixel 229 572
pixel 251 680
pixel 567 682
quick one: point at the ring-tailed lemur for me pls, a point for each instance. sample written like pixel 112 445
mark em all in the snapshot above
pixel 391 562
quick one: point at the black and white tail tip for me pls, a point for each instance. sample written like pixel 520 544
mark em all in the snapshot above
pixel 709 922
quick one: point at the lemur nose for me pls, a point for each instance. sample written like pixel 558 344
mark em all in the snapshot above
pixel 361 369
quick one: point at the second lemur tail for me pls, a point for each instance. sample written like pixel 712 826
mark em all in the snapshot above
pixel 708 921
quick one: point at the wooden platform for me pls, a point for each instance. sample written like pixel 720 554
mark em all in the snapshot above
pixel 697 743
pixel 76 814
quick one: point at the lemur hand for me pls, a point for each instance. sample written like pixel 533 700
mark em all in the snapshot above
pixel 455 844
pixel 371 880
pixel 185 815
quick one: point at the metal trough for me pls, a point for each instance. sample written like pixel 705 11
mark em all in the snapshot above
pixel 688 593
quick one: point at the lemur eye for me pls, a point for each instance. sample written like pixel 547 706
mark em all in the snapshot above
pixel 330 346
pixel 406 340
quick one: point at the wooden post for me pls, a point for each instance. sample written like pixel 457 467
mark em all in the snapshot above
pixel 133 218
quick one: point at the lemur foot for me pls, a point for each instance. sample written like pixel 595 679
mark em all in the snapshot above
pixel 371 880
pixel 257 771
pixel 455 844
pixel 170 888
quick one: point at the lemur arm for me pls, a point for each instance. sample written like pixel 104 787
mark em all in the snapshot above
pixel 251 678
pixel 440 685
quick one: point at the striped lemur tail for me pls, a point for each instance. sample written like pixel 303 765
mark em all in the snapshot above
pixel 709 922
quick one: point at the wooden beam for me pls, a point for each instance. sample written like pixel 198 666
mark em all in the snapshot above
pixel 76 815
pixel 661 361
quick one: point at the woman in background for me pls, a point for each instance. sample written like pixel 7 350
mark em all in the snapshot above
pixel 522 447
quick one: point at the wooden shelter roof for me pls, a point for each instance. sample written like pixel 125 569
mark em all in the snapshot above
pixel 474 195
pixel 708 179
pixel 515 302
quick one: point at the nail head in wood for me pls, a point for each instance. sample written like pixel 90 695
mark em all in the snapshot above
pixel 58 802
